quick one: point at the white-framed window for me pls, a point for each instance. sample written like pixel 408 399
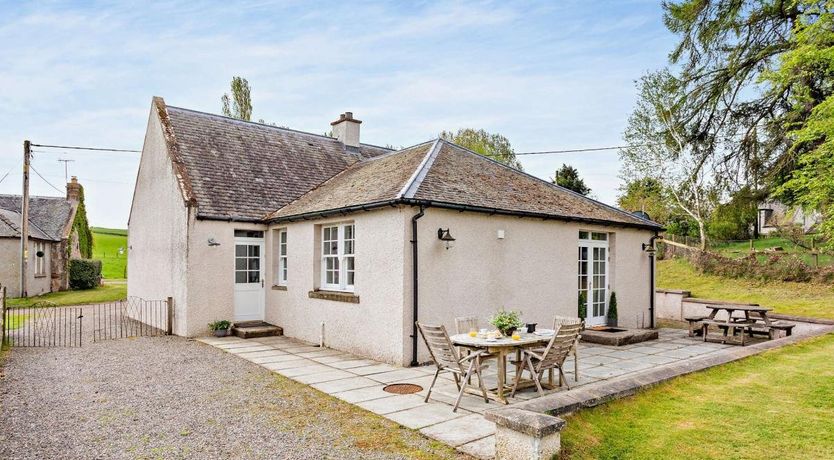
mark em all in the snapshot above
pixel 40 262
pixel 337 257
pixel 283 267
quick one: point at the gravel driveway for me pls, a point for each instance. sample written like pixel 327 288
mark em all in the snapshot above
pixel 170 397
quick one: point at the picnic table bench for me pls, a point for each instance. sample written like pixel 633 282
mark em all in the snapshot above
pixel 755 321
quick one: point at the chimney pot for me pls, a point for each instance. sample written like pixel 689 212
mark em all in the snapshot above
pixel 73 190
pixel 346 130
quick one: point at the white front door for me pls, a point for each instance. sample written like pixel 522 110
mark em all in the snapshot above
pixel 593 277
pixel 249 279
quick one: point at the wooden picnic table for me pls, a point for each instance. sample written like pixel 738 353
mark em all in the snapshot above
pixel 753 315
pixel 501 348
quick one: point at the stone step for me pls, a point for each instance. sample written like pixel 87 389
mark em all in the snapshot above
pixel 255 329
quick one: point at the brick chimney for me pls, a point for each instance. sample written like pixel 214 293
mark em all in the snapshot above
pixel 346 129
pixel 73 190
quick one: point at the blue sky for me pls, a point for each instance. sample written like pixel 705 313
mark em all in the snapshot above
pixel 548 75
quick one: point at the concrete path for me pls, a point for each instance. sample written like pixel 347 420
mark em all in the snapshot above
pixel 360 381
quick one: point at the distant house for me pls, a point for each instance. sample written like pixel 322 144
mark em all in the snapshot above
pixel 773 214
pixel 245 221
pixel 52 241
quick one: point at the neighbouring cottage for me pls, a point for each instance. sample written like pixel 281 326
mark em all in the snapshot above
pixel 53 240
pixel 774 215
pixel 246 221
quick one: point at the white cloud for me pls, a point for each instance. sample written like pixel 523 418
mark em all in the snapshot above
pixel 547 75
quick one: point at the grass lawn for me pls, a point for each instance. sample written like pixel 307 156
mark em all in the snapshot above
pixel 106 244
pixel 779 404
pixel 802 299
pixel 105 293
pixel 15 320
pixel 742 248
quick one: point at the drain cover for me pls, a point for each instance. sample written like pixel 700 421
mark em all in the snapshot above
pixel 403 388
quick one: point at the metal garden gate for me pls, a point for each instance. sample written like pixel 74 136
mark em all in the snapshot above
pixel 43 326
pixel 50 326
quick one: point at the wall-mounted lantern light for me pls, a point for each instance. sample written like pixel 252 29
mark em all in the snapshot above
pixel 213 242
pixel 446 237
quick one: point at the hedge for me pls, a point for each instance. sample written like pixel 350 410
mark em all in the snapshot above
pixel 84 273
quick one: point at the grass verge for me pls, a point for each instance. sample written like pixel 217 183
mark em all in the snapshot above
pixel 802 299
pixel 106 244
pixel 106 293
pixel 779 404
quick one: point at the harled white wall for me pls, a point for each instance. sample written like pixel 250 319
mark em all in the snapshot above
pixel 370 328
pixel 533 269
pixel 211 275
pixel 158 229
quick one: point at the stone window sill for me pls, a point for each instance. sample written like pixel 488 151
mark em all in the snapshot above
pixel 279 287
pixel 41 276
pixel 335 296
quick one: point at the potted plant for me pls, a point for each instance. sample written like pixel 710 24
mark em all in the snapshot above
pixel 583 305
pixel 506 321
pixel 611 316
pixel 220 328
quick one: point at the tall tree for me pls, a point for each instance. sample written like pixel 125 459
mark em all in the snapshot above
pixel 494 146
pixel 647 195
pixel 659 150
pixel 808 69
pixel 567 176
pixel 725 46
pixel 239 105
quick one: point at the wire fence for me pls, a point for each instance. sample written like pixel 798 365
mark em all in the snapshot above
pixel 808 250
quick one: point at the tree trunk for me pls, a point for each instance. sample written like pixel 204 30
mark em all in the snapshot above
pixel 703 233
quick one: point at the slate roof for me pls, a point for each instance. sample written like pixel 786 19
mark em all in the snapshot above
pixel 48 216
pixel 240 170
pixel 440 173
pixel 373 181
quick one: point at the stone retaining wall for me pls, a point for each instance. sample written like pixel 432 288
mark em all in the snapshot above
pixel 677 305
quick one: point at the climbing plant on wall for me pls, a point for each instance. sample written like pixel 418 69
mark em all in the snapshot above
pixel 81 227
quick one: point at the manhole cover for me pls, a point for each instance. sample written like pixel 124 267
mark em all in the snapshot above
pixel 403 388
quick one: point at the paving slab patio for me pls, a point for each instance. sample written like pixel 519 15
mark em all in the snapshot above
pixel 362 381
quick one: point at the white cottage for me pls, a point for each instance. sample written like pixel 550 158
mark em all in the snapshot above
pixel 245 221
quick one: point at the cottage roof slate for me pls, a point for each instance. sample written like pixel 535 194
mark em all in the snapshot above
pixel 442 173
pixel 239 170
pixel 48 216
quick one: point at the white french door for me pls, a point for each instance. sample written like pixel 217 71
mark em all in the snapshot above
pixel 593 276
pixel 249 279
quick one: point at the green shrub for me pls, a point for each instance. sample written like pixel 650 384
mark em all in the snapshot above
pixel 84 273
pixel 612 310
pixel 776 267
pixel 583 305
pixel 221 325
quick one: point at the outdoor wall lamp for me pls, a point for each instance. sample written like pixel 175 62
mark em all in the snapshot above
pixel 213 242
pixel 445 236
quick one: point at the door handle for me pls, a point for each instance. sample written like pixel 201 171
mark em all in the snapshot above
pixel 262 282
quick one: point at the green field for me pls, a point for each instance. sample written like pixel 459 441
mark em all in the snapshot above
pixel 106 293
pixel 790 298
pixel 779 404
pixel 737 249
pixel 106 244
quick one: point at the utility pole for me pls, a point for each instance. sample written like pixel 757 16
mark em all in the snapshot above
pixel 66 162
pixel 24 218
